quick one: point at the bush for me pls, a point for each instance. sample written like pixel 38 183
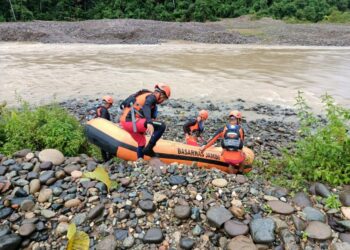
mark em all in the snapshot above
pixel 322 152
pixel 338 17
pixel 44 127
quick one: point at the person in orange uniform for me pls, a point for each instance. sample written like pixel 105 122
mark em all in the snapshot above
pixel 194 128
pixel 232 135
pixel 143 107
pixel 102 112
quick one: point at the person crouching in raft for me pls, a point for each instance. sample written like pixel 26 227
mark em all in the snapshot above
pixel 194 128
pixel 139 112
pixel 232 143
pixel 102 112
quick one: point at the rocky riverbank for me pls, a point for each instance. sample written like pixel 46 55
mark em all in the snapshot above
pixel 240 30
pixel 169 206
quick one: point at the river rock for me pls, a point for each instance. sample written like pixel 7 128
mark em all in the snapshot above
pixel 159 197
pixel 96 212
pixel 186 243
pixel 147 205
pixel 318 230
pixel 27 205
pixel 62 228
pixel 299 224
pixel 45 176
pixel 176 180
pixel 79 219
pixel 217 216
pixel 27 166
pixel 241 179
pixel 34 186
pixel 44 195
pixel 280 207
pixel 32 175
pixel 219 183
pixel 76 174
pixel 344 223
pixel 340 246
pixel 108 243
pixel 53 155
pixel 128 242
pixel 322 190
pixel 121 234
pixel 48 214
pixel 182 212
pixel 345 237
pixel 26 229
pixel 47 165
pixel 241 242
pixel 153 235
pixel 262 230
pixel 22 182
pixel 4 212
pixel 344 198
pixel 302 200
pixel 70 168
pixel 60 174
pixel 29 156
pixel 3 170
pixel 237 211
pixel 346 212
pixel 9 162
pixel 234 228
pixel 10 242
pixel 72 203
pixel 312 214
pixel 288 240
pixel 22 153
pixel 4 229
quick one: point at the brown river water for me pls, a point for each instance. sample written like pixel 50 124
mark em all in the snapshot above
pixel 40 73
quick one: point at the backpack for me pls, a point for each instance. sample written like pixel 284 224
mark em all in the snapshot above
pixel 132 98
pixel 232 140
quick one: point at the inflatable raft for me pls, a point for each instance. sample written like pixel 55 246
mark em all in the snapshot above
pixel 113 139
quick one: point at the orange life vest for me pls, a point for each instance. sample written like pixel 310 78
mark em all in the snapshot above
pixel 138 105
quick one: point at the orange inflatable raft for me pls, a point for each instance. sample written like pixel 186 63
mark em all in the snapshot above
pixel 113 139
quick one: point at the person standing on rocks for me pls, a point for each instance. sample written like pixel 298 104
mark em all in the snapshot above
pixel 102 112
pixel 139 113
pixel 232 141
pixel 194 128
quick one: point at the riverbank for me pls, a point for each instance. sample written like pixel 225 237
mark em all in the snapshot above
pixel 240 30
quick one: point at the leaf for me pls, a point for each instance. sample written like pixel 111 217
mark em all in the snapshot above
pixel 100 174
pixel 72 229
pixel 77 240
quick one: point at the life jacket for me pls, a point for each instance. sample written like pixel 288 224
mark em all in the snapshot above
pixel 232 138
pixel 138 101
pixel 197 128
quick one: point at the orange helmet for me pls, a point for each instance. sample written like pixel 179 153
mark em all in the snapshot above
pixel 165 89
pixel 108 99
pixel 203 114
pixel 236 114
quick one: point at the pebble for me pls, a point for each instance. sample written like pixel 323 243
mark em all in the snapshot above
pixel 217 216
pixel 153 235
pixel 10 242
pixel 241 242
pixel 186 243
pixel 262 230
pixel 48 214
pixel 27 205
pixel 302 200
pixel 147 205
pixel 72 203
pixel 76 174
pixel 95 212
pixel 108 243
pixel 182 212
pixel 26 229
pixel 44 195
pixel 318 230
pixel 128 242
pixel 312 214
pixel 219 183
pixel 346 212
pixel 62 228
pixel 280 207
pixel 53 155
pixel 234 228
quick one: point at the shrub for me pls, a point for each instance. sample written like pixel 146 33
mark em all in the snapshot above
pixel 338 17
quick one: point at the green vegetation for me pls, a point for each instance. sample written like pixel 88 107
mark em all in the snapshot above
pixel 174 10
pixel 333 201
pixel 322 152
pixel 44 127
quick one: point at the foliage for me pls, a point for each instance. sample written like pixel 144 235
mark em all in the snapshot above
pixel 333 201
pixel 322 152
pixel 77 240
pixel 173 10
pixel 337 17
pixel 44 127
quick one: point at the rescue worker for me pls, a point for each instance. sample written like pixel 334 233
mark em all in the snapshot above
pixel 233 139
pixel 102 112
pixel 194 128
pixel 144 104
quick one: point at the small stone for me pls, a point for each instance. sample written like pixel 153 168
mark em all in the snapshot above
pixel 176 180
pixel 139 212
pixel 302 200
pixel 186 243
pixel 288 240
pixel 340 246
pixel 153 235
pixel 128 242
pixel 60 174
pixel 22 153
pixel 197 230
pixel 34 186
pixel 345 237
pixel 322 190
pixel 21 193
pixel 76 174
pixel 96 212
pixel 270 198
pixel 10 242
pixel 147 205
pixel 125 181
pixel 241 179
pixel 318 230
pixel 26 229
pixel 299 224
pixel 121 234
pixel 79 219
pixel 108 243
pixel 70 168
pixel 217 216
pixel 22 182
pixel 199 197
pixel 237 211
pixel 280 207
pixel 53 155
pixel 47 165
pixel 236 203
pixel 48 214
pixel 346 212
pixel 262 230
pixel 312 214
pixel 9 162
pixel 241 242
pixel 30 156
pixel 344 198
pixel 44 195
pixel 46 175
pixel 72 203
pixel 182 212
pixel 27 205
pixel 4 212
pixel 234 228
pixel 32 176
pixel 27 166
pixel 57 191
pixel 2 170
pixel 219 183
pixel 62 228
pixel 4 229
pixel 159 197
